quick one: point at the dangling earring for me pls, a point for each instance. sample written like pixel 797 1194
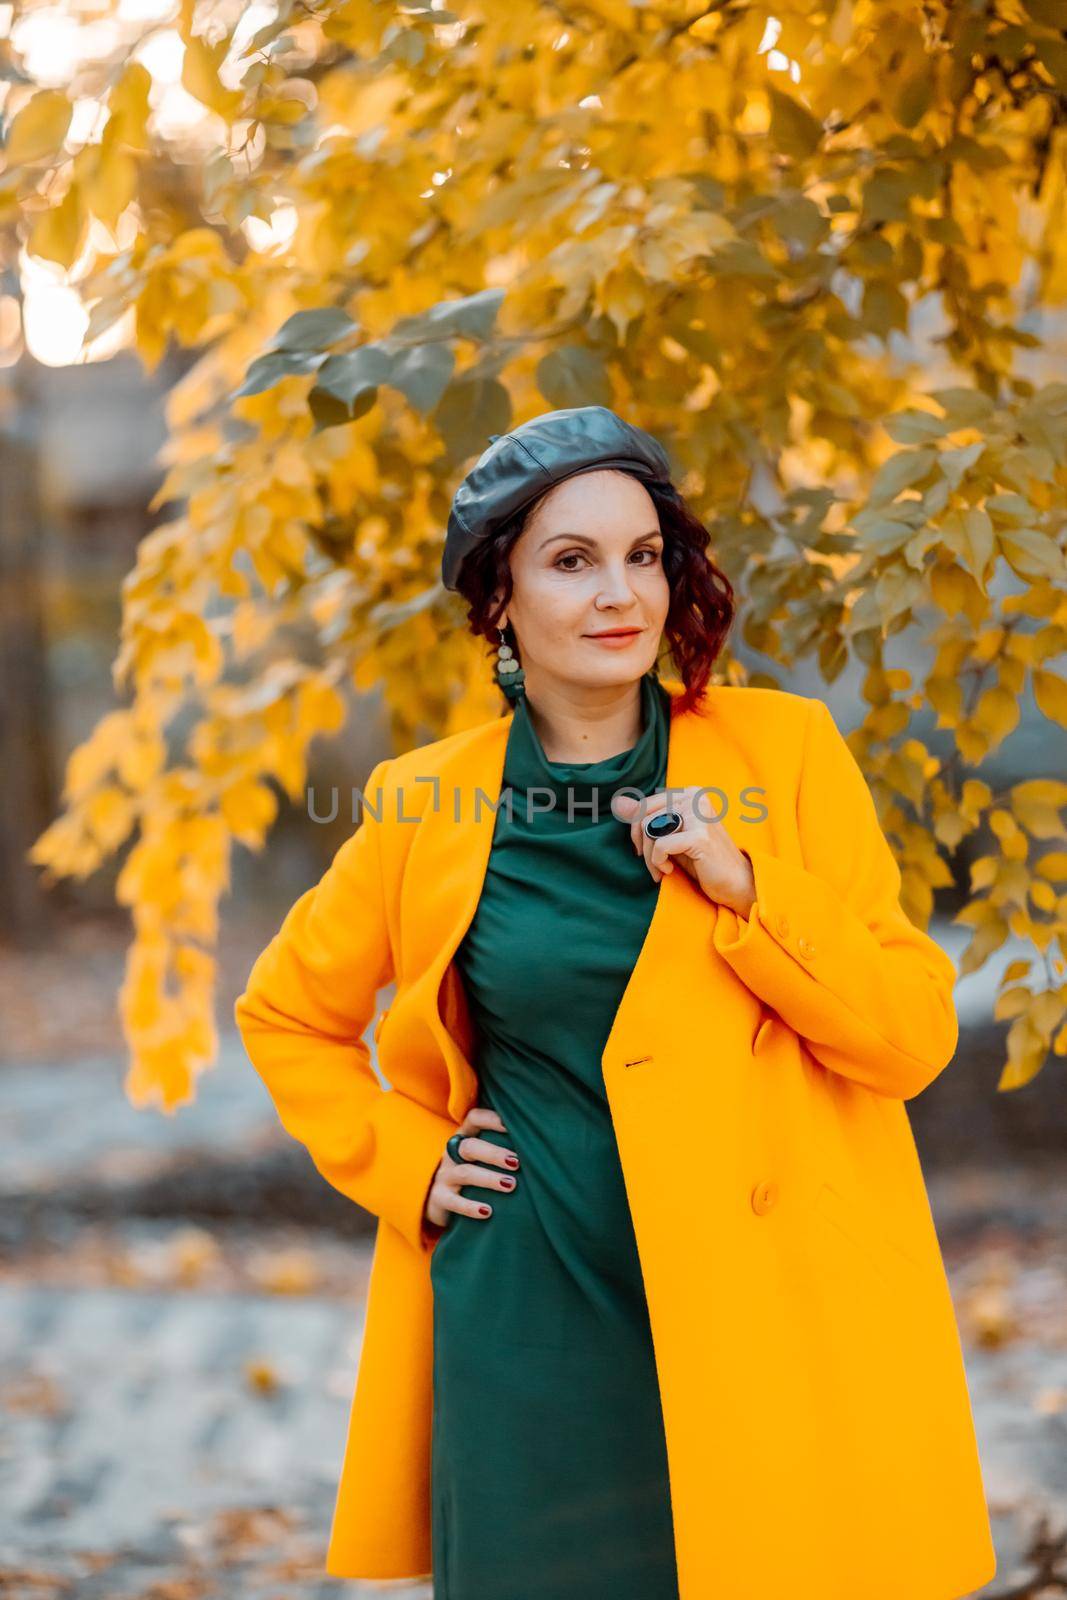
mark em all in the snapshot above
pixel 509 674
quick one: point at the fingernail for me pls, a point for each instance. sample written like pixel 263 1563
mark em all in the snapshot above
pixel 485 1210
pixel 511 1161
pixel 507 1183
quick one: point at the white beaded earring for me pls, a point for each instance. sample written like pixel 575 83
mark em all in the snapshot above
pixel 509 673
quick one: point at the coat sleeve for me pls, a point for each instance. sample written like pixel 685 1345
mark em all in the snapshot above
pixel 828 945
pixel 308 999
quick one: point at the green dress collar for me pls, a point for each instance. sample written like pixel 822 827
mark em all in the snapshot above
pixel 544 792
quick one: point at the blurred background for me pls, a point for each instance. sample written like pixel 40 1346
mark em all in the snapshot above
pixel 181 1294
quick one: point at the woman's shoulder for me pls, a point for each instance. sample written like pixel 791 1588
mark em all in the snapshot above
pixel 451 753
pixel 768 706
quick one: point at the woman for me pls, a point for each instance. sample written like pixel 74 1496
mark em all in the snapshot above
pixel 657 1309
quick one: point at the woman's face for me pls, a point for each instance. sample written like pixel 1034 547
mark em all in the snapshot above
pixel 589 562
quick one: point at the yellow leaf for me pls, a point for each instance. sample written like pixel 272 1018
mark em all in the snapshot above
pixel 191 1253
pixel 1026 1055
pixel 992 1320
pixel 57 233
pixel 1053 865
pixel 111 184
pixel 1040 792
pixel 1011 1003
pixel 621 297
pixel 261 1376
pixel 248 809
pixel 39 128
pixel 997 712
pixel 952 588
pixel 110 815
pixel 287 1272
pixel 200 77
pixel 1050 692
pixel 128 104
pixel 1044 896
pixel 141 759
pixel 983 872
pixel 319 708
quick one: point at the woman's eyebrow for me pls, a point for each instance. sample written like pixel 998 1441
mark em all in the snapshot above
pixel 585 538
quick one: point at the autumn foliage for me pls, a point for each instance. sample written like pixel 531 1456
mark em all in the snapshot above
pixel 822 255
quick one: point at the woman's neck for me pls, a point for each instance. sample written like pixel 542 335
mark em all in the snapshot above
pixel 576 723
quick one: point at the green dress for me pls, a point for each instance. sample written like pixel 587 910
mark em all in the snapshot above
pixel 549 1466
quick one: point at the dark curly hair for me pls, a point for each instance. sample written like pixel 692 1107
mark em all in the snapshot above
pixel 701 607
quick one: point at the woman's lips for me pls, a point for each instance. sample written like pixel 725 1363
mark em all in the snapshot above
pixel 615 641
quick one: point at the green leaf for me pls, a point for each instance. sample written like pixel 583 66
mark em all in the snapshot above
pixel 313 330
pixel 473 317
pixel 914 426
pixel 913 100
pixel 798 218
pixel 1012 509
pixel 267 370
pixel 329 412
pixel 742 258
pixel 422 374
pixel 955 464
pixel 347 375
pixel 969 535
pixel 794 130
pixel 574 376
pixel 907 467
pixel 884 308
pixel 1032 554
pixel 469 412
pixel 887 194
pixel 897 590
pixel 882 534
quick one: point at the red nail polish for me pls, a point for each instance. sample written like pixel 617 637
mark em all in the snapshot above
pixel 484 1210
pixel 507 1183
pixel 509 1161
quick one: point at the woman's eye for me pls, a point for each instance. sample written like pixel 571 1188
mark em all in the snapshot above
pixel 576 555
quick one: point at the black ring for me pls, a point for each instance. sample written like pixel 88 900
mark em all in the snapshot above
pixel 453 1146
pixel 662 823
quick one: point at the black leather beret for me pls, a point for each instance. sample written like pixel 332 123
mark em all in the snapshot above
pixel 521 465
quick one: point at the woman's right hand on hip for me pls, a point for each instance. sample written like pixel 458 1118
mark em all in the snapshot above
pixel 444 1196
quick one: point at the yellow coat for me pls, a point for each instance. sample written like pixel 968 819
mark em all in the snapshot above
pixel 817 1417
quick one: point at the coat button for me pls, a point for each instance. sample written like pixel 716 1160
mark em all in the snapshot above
pixel 783 926
pixel 764 1196
pixel 806 948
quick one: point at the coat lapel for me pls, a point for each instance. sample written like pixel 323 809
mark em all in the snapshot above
pixel 447 867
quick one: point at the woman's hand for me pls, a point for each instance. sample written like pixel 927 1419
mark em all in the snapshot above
pixel 702 847
pixel 444 1195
